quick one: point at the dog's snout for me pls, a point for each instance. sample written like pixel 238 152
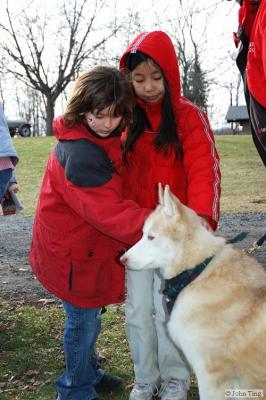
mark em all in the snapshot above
pixel 123 259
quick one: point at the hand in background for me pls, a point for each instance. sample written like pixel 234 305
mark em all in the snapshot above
pixel 14 187
pixel 205 223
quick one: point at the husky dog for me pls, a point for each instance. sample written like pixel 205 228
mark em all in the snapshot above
pixel 219 319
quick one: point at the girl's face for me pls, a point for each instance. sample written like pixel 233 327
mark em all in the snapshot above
pixel 147 81
pixel 103 122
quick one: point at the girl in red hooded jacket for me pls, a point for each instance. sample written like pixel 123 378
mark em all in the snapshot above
pixel 82 223
pixel 169 141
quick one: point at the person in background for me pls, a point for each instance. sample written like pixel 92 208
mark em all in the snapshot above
pixel 168 141
pixel 8 162
pixel 251 61
pixel 82 223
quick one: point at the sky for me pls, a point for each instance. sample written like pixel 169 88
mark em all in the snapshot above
pixel 220 18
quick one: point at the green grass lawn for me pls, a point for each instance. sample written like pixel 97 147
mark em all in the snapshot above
pixel 31 355
pixel 243 174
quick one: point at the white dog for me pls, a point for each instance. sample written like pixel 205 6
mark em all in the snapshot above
pixel 219 319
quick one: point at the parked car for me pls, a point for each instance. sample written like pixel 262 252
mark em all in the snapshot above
pixel 20 127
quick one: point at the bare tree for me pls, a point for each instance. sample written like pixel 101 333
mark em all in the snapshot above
pixel 190 44
pixel 130 27
pixel 47 58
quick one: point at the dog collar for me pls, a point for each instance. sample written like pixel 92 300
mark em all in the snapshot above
pixel 175 285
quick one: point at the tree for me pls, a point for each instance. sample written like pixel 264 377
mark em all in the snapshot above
pixel 197 83
pixel 46 52
pixel 189 44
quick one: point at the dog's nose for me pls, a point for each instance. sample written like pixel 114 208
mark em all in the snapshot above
pixel 123 259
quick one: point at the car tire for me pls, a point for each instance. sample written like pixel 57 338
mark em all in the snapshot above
pixel 25 131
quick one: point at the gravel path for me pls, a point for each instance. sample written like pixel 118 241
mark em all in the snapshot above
pixel 17 282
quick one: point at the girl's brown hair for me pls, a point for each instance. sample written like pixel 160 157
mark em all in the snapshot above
pixel 98 89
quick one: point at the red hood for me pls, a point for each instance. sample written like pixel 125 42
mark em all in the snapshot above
pixel 79 131
pixel 62 132
pixel 246 17
pixel 159 47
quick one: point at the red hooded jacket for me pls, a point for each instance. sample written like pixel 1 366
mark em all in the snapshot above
pixel 252 23
pixel 82 223
pixel 195 179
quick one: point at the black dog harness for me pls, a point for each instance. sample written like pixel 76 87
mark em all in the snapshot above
pixel 175 285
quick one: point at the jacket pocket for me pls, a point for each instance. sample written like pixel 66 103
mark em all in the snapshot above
pixel 89 278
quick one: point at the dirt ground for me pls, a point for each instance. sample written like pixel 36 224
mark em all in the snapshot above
pixel 17 282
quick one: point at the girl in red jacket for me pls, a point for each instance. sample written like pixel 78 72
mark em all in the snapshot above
pixel 82 223
pixel 169 141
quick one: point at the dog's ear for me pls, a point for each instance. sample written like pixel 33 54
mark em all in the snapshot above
pixel 160 193
pixel 168 201
pixel 173 206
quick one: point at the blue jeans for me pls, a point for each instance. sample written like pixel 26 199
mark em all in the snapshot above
pixel 82 327
pixel 5 176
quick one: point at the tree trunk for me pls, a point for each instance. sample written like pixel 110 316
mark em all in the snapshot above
pixel 49 117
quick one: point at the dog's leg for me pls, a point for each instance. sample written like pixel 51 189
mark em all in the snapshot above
pixel 208 388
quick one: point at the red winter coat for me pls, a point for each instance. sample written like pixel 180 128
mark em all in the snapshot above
pixel 195 179
pixel 252 20
pixel 82 223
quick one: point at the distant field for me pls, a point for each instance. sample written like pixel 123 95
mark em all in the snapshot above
pixel 243 174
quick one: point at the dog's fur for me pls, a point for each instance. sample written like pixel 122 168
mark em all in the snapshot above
pixel 218 320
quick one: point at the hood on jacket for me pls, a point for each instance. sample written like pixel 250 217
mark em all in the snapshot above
pixel 62 132
pixel 246 17
pixel 79 131
pixel 158 46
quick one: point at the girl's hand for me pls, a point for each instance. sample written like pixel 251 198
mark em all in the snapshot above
pixel 13 188
pixel 205 223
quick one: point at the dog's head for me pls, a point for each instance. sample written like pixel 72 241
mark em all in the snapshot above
pixel 167 237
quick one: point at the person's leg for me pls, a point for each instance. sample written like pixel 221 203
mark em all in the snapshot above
pixel 173 368
pixel 258 122
pixel 140 326
pixel 82 327
pixel 5 176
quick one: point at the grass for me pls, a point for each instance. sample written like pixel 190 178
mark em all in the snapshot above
pixel 243 174
pixel 31 355
pixel 33 154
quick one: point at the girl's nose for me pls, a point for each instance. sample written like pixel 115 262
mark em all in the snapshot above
pixel 148 86
pixel 108 122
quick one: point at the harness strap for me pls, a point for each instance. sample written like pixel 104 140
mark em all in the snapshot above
pixel 175 285
pixel 256 245
pixel 238 238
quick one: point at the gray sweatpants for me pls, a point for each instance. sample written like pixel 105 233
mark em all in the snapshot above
pixel 154 354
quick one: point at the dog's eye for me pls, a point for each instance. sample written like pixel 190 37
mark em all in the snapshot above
pixel 150 237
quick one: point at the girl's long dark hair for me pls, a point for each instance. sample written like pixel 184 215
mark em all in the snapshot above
pixel 167 138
